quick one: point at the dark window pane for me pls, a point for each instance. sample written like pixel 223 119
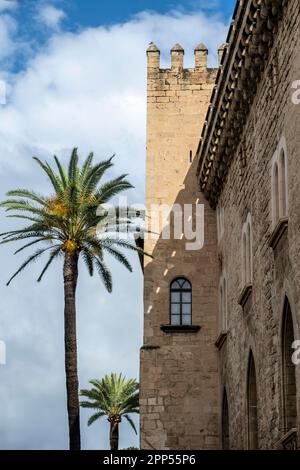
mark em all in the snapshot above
pixel 175 297
pixel 175 319
pixel 186 297
pixel 186 285
pixel 186 308
pixel 186 319
pixel 175 285
pixel 175 308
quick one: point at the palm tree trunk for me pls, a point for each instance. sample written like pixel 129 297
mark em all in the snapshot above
pixel 70 282
pixel 114 436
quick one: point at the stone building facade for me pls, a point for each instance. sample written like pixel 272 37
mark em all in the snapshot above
pixel 221 322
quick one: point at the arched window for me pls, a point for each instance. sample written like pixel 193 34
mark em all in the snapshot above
pixel 249 253
pixel 220 222
pixel 282 185
pixel 181 302
pixel 223 302
pixel 244 258
pixel 225 422
pixel 275 190
pixel 247 269
pixel 288 370
pixel 279 184
pixel 252 405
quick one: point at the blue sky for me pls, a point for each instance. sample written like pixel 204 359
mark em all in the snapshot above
pixel 79 14
pixel 75 75
pixel 82 13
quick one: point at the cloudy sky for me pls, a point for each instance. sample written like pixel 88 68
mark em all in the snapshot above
pixel 75 75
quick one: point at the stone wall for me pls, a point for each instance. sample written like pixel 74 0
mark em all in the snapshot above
pixel 276 272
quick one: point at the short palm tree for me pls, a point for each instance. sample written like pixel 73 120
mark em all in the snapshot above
pixel 114 397
pixel 66 223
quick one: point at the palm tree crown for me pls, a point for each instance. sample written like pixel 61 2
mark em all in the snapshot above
pixel 115 397
pixel 67 220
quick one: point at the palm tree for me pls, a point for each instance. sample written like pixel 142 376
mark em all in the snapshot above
pixel 114 397
pixel 66 222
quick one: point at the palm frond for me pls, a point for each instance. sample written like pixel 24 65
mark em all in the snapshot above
pixel 104 273
pixel 24 193
pixel 120 257
pixel 54 253
pixel 56 183
pixel 61 171
pixel 29 244
pixel 94 417
pixel 86 167
pixel 130 422
pixel 29 260
pixel 93 177
pixel 88 259
pixel 73 167
pixel 112 188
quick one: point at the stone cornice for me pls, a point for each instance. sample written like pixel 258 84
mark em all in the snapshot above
pixel 249 41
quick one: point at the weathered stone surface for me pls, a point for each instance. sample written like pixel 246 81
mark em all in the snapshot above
pixel 276 273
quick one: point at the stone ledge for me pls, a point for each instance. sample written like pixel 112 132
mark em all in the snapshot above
pixel 180 328
pixel 278 232
pixel 221 339
pixel 149 347
pixel 245 294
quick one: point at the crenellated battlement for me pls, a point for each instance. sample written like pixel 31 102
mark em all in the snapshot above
pixel 177 58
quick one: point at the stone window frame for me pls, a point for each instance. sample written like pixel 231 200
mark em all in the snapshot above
pixel 223 302
pixel 225 421
pixel 288 370
pixel 279 193
pixel 252 403
pixel 247 252
pixel 279 183
pixel 247 260
pixel 220 222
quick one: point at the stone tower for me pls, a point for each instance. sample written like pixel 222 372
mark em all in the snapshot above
pixel 179 403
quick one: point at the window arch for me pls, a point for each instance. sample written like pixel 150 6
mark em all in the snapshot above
pixel 288 370
pixel 247 262
pixel 275 194
pixel 220 222
pixel 244 258
pixel 249 251
pixel 223 309
pixel 279 183
pixel 282 185
pixel 181 302
pixel 252 404
pixel 225 422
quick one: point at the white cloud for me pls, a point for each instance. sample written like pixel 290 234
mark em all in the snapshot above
pixel 50 16
pixel 8 5
pixel 88 90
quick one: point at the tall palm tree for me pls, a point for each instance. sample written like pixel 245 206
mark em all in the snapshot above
pixel 66 223
pixel 114 397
